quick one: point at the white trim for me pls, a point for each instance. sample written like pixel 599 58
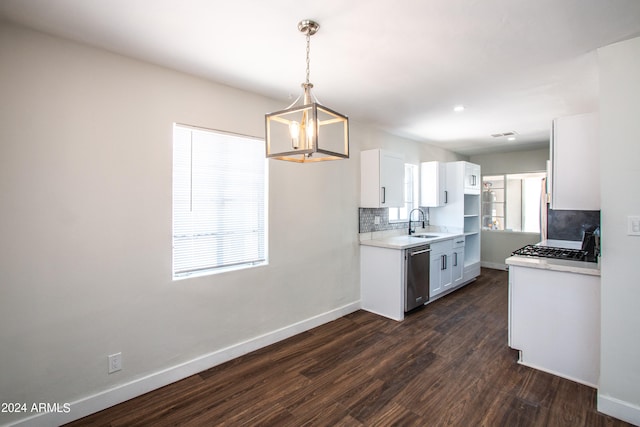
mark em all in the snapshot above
pixel 558 374
pixel 619 409
pixel 113 396
pixel 494 265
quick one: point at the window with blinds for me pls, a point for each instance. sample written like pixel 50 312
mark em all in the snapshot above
pixel 219 202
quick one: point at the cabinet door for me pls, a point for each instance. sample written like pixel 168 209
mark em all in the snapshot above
pixel 391 180
pixel 574 163
pixel 433 187
pixel 471 178
pixel 381 179
pixel 440 277
pixel 435 275
pixel 446 277
pixel 457 266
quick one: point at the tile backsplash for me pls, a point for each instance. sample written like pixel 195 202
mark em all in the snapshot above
pixel 569 225
pixel 368 220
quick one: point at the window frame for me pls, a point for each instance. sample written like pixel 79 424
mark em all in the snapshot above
pixel 222 214
pixel 409 203
pixel 505 178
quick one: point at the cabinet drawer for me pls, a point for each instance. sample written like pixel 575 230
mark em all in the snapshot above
pixel 458 242
pixel 444 246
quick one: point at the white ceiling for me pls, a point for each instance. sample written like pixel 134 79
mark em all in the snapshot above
pixel 402 64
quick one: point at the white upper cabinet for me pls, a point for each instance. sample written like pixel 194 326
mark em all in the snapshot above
pixel 472 179
pixel 381 179
pixel 575 170
pixel 433 184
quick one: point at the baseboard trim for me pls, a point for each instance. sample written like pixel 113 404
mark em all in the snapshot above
pixel 557 374
pixel 619 409
pixel 493 265
pixel 107 398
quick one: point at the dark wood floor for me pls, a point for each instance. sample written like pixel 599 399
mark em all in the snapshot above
pixel 446 364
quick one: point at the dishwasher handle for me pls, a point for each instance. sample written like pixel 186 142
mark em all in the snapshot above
pixel 420 252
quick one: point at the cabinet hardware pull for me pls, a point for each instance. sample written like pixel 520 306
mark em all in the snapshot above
pixel 446 197
pixel 384 195
pixel 455 259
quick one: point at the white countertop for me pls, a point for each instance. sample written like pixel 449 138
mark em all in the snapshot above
pixel 405 241
pixel 580 267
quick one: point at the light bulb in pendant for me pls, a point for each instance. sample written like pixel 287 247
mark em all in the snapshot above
pixel 294 131
pixel 310 131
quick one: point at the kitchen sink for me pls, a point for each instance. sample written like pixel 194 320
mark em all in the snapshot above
pixel 425 236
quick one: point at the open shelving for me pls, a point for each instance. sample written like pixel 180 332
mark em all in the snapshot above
pixel 462 212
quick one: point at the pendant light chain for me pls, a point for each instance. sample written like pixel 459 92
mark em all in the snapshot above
pixel 308 50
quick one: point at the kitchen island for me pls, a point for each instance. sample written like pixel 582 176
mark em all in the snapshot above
pixel 554 314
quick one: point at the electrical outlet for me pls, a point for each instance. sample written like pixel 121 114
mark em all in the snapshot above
pixel 376 220
pixel 115 362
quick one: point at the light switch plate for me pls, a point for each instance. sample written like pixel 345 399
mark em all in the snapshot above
pixel 633 225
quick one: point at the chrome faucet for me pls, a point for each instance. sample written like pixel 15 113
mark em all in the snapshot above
pixel 421 213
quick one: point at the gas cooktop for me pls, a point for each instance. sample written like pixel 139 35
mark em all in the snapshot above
pixel 555 253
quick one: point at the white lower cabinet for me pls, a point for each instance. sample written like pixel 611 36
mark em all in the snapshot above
pixel 383 272
pixel 447 266
pixel 554 321
pixel 440 275
pixel 457 262
pixel 382 276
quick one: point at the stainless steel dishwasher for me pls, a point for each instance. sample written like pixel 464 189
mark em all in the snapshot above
pixel 417 262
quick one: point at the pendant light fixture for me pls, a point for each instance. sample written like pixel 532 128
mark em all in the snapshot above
pixel 307 131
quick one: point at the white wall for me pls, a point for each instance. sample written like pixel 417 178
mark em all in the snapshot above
pixel 85 179
pixel 413 152
pixel 496 246
pixel 85 265
pixel 513 161
pixel 619 391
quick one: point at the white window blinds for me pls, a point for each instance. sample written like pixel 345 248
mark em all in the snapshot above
pixel 219 209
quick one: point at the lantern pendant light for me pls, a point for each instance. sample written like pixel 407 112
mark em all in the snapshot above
pixel 307 131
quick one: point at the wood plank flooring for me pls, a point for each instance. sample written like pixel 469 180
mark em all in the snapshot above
pixel 446 364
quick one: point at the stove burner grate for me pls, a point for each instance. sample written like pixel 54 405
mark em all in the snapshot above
pixel 551 252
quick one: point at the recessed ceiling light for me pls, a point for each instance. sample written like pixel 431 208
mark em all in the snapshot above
pixel 458 108
pixel 511 138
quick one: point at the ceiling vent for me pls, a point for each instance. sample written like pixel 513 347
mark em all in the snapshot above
pixel 499 135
